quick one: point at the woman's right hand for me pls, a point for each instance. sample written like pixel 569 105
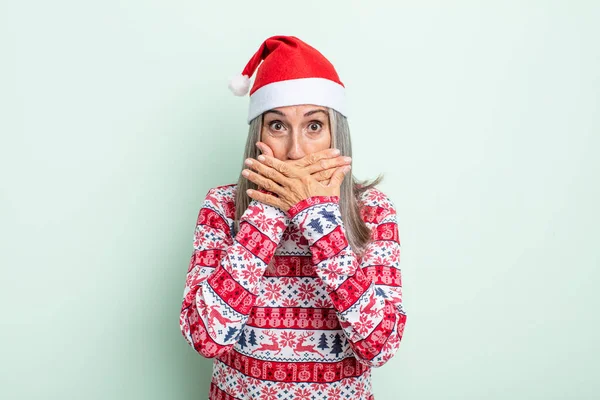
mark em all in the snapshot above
pixel 321 165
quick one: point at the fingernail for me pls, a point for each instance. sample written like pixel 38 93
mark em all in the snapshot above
pixel 336 152
pixel 347 159
pixel 261 158
pixel 248 161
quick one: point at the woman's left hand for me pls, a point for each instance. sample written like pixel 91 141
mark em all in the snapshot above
pixel 290 183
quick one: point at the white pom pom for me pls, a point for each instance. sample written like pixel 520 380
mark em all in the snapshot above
pixel 239 85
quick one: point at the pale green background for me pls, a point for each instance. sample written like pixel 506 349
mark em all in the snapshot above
pixel 484 117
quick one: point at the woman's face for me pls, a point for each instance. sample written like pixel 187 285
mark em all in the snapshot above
pixel 292 132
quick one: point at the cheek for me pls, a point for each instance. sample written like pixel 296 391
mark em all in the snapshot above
pixel 278 146
pixel 322 143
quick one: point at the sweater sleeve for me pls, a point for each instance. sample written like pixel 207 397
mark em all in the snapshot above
pixel 366 292
pixel 225 272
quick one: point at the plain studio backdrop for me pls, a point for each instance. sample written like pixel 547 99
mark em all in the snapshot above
pixel 484 118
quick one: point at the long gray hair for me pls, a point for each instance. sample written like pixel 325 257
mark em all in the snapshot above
pixel 357 232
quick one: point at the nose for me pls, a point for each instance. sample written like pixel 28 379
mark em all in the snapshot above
pixel 295 148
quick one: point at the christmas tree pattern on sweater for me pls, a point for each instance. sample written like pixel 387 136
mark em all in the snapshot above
pixel 316 326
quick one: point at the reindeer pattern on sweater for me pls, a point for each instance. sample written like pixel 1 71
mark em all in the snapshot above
pixel 315 326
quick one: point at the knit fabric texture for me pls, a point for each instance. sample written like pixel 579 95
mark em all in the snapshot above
pixel 314 327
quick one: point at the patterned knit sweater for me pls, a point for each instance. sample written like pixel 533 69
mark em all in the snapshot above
pixel 315 327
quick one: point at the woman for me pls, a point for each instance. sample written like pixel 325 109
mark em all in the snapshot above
pixel 294 285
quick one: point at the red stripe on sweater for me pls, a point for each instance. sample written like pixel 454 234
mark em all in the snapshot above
pixel 383 275
pixel 373 214
pixel 228 289
pixel 309 202
pixel 387 231
pixel 206 258
pixel 256 242
pixel 293 318
pixel 210 217
pixel 202 342
pixel 328 245
pixel 293 371
pixel 350 290
pixel 371 346
pixel 296 266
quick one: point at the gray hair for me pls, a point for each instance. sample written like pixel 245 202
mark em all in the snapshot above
pixel 351 190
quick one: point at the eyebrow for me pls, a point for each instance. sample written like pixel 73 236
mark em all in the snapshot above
pixel 309 113
pixel 314 112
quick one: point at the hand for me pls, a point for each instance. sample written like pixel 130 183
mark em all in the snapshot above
pixel 323 169
pixel 290 181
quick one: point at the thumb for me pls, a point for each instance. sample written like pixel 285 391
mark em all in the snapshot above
pixel 338 176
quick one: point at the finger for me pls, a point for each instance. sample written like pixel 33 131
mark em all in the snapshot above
pixel 319 155
pixel 265 149
pixel 328 163
pixel 339 175
pixel 264 183
pixel 325 174
pixel 275 169
pixel 266 198
pixel 266 171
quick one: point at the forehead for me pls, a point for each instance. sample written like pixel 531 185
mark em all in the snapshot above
pixel 297 110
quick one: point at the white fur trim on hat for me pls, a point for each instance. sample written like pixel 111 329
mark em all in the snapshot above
pixel 239 85
pixel 318 91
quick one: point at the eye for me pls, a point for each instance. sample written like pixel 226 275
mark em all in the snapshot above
pixel 276 125
pixel 315 126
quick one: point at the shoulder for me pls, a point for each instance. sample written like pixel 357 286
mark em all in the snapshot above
pixel 224 191
pixel 375 197
pixel 222 200
pixel 376 205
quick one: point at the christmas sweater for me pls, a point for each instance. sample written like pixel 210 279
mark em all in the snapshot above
pixel 314 327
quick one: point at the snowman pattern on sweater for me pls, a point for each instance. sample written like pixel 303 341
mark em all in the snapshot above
pixel 315 326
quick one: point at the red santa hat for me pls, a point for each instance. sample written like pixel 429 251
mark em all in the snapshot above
pixel 291 73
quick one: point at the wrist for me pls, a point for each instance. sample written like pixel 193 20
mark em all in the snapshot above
pixel 308 202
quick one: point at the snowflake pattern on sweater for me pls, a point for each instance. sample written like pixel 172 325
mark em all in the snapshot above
pixel 315 327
